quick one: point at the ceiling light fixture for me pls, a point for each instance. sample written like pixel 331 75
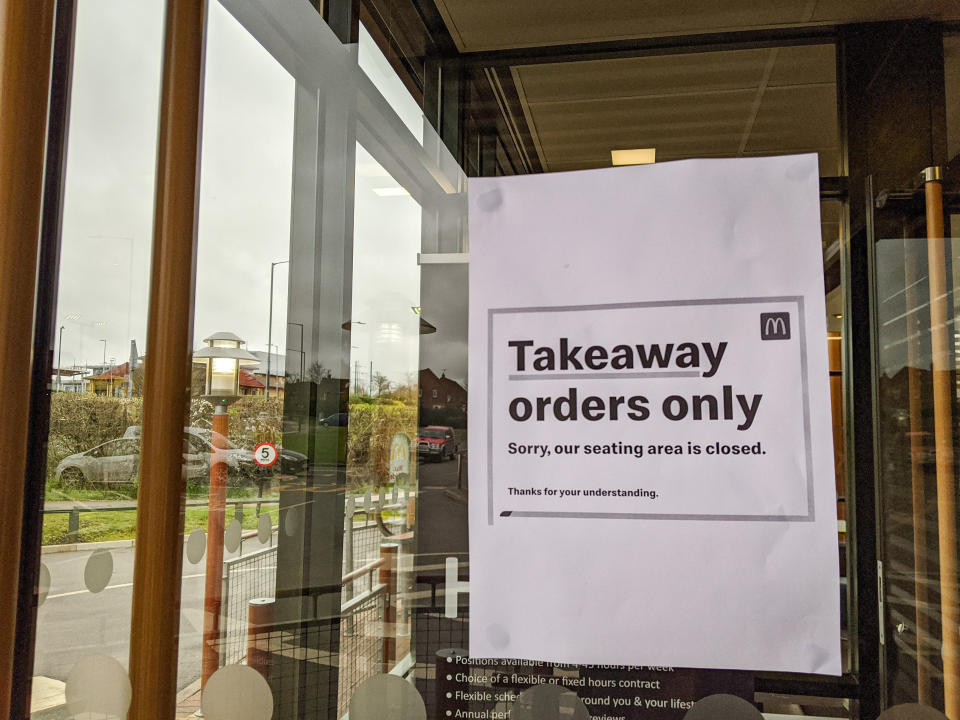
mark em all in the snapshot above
pixel 637 156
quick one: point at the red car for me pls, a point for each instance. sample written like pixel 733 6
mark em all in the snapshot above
pixel 436 442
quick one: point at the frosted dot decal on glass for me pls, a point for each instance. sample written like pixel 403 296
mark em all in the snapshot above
pixel 98 686
pixel 722 707
pixel 231 538
pixel 548 702
pixel 98 570
pixel 43 584
pixel 237 692
pixel 291 521
pixel 387 696
pixel 196 546
pixel 264 528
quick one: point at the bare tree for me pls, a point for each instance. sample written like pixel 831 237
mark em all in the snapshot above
pixel 382 384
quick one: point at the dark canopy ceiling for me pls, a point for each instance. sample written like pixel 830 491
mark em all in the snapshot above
pixel 497 24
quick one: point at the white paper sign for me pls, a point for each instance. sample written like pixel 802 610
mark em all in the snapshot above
pixel 651 463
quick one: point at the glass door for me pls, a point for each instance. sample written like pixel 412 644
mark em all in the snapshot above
pixel 917 341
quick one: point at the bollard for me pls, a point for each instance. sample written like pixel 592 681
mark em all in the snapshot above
pixel 73 525
pixel 259 632
pixel 388 577
pixel 459 471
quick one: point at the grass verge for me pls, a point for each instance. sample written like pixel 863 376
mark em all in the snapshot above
pixel 122 524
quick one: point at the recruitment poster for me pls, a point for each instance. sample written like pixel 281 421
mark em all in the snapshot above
pixel 651 463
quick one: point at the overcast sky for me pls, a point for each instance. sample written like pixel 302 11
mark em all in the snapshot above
pixel 108 212
pixel 244 221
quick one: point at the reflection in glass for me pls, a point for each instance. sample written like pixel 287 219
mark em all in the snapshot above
pixel 82 634
pixel 917 404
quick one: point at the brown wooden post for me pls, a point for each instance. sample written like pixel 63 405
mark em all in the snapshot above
pixel 259 634
pixel 388 577
pixel 943 388
pixel 26 38
pixel 918 492
pixel 155 621
pixel 213 580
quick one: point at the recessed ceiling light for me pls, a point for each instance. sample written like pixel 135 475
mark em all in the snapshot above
pixel 390 191
pixel 838 316
pixel 637 156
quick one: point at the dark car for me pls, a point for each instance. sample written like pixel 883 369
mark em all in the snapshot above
pixel 336 420
pixel 436 442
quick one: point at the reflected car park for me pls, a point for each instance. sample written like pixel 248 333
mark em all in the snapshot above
pixel 117 462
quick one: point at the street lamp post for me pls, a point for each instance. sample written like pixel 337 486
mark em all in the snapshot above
pixel 222 357
pixel 270 348
pixel 270 322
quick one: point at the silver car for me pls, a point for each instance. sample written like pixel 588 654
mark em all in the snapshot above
pixel 117 462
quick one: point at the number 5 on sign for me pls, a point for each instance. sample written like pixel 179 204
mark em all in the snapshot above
pixel 265 454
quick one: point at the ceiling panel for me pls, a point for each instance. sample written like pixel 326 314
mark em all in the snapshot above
pixel 804 64
pixel 674 74
pixel 586 133
pixel 499 24
pixel 795 118
pixel 717 104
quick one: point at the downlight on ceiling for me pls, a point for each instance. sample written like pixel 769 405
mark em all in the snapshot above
pixel 637 156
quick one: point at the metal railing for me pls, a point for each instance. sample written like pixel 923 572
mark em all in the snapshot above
pixel 245 578
pixel 96 506
pixel 374 574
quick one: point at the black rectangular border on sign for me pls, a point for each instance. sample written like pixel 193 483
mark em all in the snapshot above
pixel 805 392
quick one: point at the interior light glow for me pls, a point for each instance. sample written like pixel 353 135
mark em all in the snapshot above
pixel 390 191
pixel 223 365
pixel 637 156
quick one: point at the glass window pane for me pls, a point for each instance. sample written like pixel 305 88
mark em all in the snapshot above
pixel 92 472
pixel 240 346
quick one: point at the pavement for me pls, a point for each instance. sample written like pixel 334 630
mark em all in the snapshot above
pixel 73 622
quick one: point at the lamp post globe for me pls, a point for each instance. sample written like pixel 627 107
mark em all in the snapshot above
pixel 223 356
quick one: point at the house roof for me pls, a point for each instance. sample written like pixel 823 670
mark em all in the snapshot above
pixel 248 380
pixel 278 363
pixel 442 380
pixel 116 372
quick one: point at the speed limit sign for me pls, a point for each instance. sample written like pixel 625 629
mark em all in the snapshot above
pixel 265 454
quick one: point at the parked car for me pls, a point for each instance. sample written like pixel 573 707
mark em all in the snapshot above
pixel 115 462
pixel 200 442
pixel 436 442
pixel 199 447
pixel 341 419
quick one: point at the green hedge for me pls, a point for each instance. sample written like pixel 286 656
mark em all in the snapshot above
pixel 79 422
pixel 371 431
